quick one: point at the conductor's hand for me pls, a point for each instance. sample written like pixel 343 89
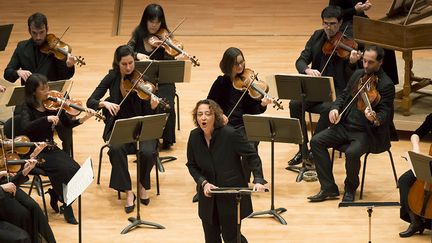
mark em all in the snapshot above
pixel 312 72
pixel 333 116
pixel 111 107
pixel 259 187
pixel 207 188
pixel 53 119
pixel 9 187
pixel 24 74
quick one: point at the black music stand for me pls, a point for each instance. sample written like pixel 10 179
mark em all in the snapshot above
pixel 163 72
pixel 272 129
pixel 304 88
pixel 5 31
pixel 134 130
pixel 238 192
pixel 422 166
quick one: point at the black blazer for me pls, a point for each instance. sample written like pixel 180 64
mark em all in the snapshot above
pixel 24 58
pixel 379 136
pixel 221 166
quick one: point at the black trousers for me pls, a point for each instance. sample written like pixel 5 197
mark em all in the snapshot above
pixel 23 212
pixel 65 135
pixel 334 137
pixel 322 108
pixel 120 177
pixel 168 92
pixel 10 233
pixel 226 227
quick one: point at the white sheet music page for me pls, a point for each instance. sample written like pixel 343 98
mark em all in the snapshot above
pixel 79 182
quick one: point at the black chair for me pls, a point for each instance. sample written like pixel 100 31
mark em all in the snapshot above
pixel 178 111
pixel 344 147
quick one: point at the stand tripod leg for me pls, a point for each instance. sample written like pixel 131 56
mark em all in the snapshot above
pixel 136 222
pixel 273 212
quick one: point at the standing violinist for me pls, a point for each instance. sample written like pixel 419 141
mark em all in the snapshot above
pixel 28 58
pixel 38 123
pixel 339 68
pixel 360 129
pixel 417 223
pixel 123 66
pixel 153 21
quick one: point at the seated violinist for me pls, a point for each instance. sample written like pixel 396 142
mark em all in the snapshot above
pixel 417 223
pixel 318 54
pixel 361 128
pixel 38 123
pixel 21 218
pixel 115 82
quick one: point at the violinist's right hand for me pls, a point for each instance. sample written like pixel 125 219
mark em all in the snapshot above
pixel 53 119
pixel 333 116
pixel 3 173
pixel 312 72
pixel 225 119
pixel 111 107
pixel 9 187
pixel 142 57
pixel 24 74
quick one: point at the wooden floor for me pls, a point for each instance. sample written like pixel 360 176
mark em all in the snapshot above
pixel 271 34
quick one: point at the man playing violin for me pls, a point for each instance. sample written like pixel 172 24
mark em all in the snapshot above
pixel 28 58
pixel 338 68
pixel 360 130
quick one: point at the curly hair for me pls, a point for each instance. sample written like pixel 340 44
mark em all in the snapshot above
pixel 214 108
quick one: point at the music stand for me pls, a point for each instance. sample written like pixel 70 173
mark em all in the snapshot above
pixel 272 129
pixel 304 88
pixel 164 72
pixel 421 165
pixel 5 31
pixel 134 130
pixel 238 192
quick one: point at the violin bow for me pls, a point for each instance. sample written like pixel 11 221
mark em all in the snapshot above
pixel 152 60
pixel 63 101
pixel 3 138
pixel 334 49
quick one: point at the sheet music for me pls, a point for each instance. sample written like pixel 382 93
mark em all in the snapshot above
pixel 408 158
pixel 79 182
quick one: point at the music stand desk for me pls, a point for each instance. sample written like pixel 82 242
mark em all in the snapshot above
pixel 5 32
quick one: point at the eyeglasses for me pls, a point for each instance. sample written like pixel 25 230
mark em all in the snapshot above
pixel 329 24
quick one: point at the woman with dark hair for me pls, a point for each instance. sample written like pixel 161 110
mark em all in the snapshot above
pixel 37 123
pixel 122 68
pixel 153 20
pixel 214 154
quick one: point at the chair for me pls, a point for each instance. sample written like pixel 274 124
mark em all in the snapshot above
pixel 344 147
pixel 39 184
pixel 178 111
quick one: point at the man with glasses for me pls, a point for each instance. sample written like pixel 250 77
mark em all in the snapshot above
pixel 338 68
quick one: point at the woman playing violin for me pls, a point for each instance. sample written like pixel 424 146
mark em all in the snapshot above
pixel 124 65
pixel 23 219
pixel 37 123
pixel 152 21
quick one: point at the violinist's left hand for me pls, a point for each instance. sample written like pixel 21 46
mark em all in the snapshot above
pixel 355 56
pixel 265 101
pixel 370 114
pixel 258 187
pixel 28 166
pixel 154 102
pixel 88 113
pixel 70 60
pixel 181 57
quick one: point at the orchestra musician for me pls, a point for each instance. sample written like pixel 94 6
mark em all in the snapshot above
pixel 124 65
pixel 361 130
pixel 214 154
pixel 37 123
pixel 152 21
pixel 339 68
pixel 28 58
pixel 417 223
pixel 21 218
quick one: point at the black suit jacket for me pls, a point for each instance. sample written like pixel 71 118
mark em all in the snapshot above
pixel 24 58
pixel 379 136
pixel 220 164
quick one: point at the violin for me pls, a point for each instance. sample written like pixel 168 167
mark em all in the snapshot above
pixel 54 45
pixel 339 44
pixel 172 46
pixel 370 96
pixel 144 89
pixel 72 106
pixel 21 144
pixel 257 89
pixel 13 160
pixel 420 197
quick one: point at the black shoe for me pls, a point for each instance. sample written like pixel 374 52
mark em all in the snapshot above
pixel 297 159
pixel 195 198
pixel 412 229
pixel 166 145
pixel 130 209
pixel 53 200
pixel 69 215
pixel 145 201
pixel 348 196
pixel 323 195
